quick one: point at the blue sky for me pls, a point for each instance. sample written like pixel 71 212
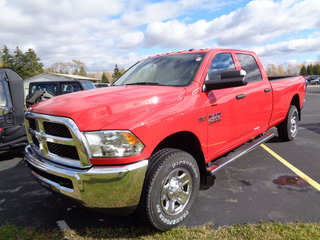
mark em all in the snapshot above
pixel 102 33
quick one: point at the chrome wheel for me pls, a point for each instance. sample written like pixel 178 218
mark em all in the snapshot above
pixel 176 191
pixel 294 123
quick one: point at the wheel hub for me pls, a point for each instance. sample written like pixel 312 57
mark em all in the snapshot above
pixel 176 191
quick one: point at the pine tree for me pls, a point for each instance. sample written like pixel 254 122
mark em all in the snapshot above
pixel 309 69
pixel 75 72
pixel 32 66
pixel 82 72
pixel 18 62
pixel 316 69
pixel 303 70
pixel 116 73
pixel 7 58
pixel 104 78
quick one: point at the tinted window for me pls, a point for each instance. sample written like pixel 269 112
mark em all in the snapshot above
pixel 87 85
pixel 249 64
pixel 3 97
pixel 220 63
pixel 70 87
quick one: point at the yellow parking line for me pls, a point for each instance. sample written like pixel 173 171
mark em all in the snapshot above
pixel 293 168
pixel 314 94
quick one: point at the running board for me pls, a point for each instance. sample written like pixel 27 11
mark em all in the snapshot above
pixel 224 160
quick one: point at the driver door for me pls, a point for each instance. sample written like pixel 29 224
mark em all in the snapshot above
pixel 226 109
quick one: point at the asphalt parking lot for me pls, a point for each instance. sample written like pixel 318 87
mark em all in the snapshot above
pixel 256 187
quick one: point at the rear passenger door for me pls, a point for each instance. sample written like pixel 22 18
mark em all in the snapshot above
pixel 259 95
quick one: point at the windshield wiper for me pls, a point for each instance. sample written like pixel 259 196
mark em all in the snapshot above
pixel 144 83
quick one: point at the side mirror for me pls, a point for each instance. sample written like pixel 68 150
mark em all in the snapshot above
pixel 233 78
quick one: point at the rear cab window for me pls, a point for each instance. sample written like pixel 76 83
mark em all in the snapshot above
pixel 249 64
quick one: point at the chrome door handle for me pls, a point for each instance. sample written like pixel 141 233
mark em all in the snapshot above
pixel 241 96
pixel 267 90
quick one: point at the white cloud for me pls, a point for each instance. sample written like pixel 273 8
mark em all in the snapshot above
pixel 289 47
pixel 130 40
pixel 258 22
pixel 102 33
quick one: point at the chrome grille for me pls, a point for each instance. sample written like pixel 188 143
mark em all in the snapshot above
pixel 57 139
pixel 57 129
pixel 63 150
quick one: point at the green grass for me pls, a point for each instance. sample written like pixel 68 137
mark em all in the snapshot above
pixel 263 230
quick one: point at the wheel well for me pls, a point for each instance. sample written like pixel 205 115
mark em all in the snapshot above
pixel 189 143
pixel 296 101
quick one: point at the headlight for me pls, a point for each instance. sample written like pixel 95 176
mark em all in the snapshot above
pixel 113 144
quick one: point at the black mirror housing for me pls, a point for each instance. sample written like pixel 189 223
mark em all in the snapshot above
pixel 233 78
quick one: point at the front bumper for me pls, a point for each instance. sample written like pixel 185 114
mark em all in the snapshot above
pixel 108 187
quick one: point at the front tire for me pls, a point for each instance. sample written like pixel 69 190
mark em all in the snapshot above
pixel 170 189
pixel 288 129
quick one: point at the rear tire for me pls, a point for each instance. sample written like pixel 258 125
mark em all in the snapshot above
pixel 288 129
pixel 170 188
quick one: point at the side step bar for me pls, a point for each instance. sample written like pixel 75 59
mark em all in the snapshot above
pixel 224 160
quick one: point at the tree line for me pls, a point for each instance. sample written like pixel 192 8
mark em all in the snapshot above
pixel 310 69
pixel 28 65
pixel 283 70
pixel 75 67
pixel 293 69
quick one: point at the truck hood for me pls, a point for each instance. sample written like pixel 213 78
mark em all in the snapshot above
pixel 93 109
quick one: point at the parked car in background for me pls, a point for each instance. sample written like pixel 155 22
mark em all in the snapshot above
pixel 100 85
pixel 40 91
pixel 315 81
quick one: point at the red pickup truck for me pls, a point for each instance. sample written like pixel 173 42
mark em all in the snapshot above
pixel 161 132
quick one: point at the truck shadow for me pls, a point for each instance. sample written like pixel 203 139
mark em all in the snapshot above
pixel 275 139
pixel 23 202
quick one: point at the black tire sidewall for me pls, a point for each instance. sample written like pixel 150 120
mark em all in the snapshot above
pixel 160 219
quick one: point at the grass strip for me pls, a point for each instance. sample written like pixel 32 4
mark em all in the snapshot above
pixel 262 230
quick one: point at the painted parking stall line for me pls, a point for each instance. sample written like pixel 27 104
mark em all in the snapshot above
pixel 293 168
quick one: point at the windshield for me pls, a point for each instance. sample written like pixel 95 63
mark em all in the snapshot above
pixel 169 70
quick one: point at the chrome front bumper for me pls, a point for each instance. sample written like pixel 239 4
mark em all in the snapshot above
pixel 95 187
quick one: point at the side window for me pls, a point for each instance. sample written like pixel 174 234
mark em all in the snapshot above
pixel 3 99
pixel 249 64
pixel 5 102
pixel 69 87
pixel 220 63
